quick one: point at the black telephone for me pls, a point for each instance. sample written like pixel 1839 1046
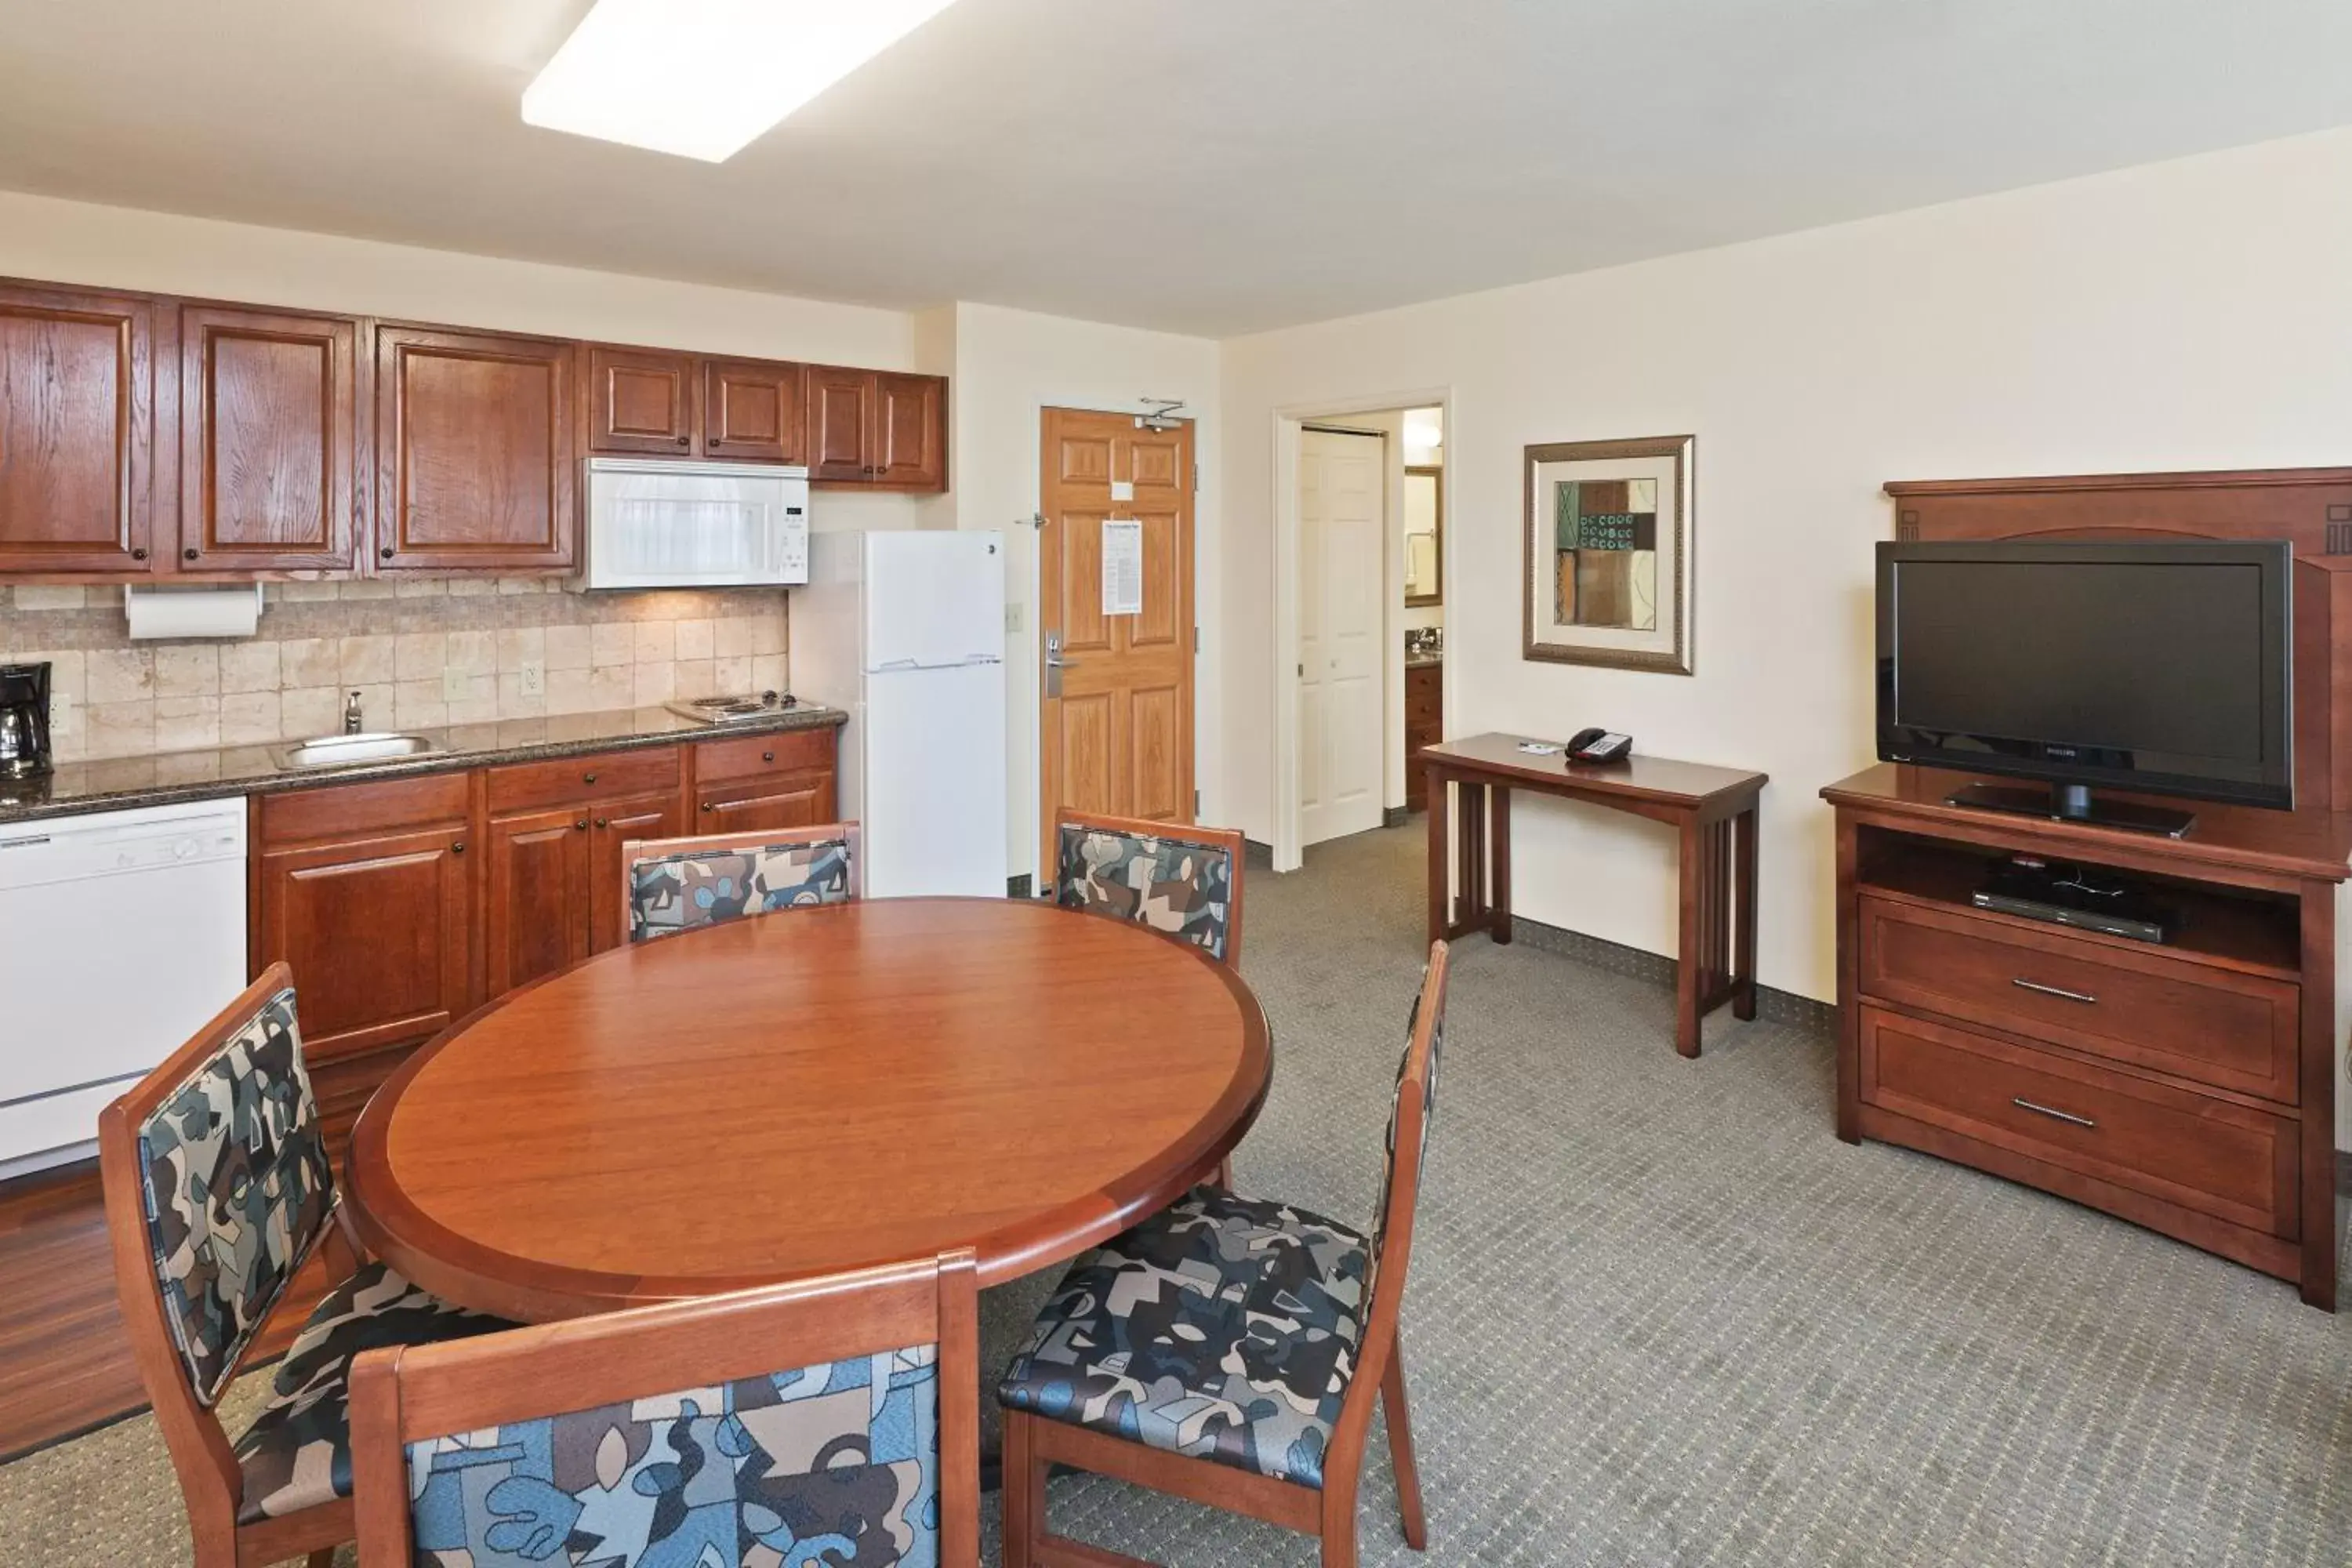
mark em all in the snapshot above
pixel 1599 746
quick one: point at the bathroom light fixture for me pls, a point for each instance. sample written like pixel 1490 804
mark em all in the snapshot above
pixel 702 78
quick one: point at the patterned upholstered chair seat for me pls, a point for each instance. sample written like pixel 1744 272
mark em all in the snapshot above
pixel 1222 1328
pixel 297 1452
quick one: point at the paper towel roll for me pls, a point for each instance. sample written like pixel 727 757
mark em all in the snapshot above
pixel 230 612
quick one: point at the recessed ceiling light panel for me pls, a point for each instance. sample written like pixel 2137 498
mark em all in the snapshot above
pixel 703 78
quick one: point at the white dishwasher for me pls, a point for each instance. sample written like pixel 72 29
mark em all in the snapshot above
pixel 122 933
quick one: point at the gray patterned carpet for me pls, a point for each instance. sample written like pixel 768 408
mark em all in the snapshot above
pixel 1659 1315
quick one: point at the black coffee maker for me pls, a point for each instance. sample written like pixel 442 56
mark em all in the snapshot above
pixel 24 720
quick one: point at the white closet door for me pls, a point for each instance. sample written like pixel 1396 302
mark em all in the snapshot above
pixel 1340 512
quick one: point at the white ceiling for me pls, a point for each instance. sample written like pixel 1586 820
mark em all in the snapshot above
pixel 1209 166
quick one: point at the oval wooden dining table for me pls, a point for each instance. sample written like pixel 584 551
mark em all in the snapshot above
pixel 807 1091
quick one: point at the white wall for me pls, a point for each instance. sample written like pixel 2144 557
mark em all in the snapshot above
pixel 75 242
pixel 1009 365
pixel 2185 315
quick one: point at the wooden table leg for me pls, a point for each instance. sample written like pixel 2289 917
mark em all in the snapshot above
pixel 1689 960
pixel 1743 964
pixel 1441 882
pixel 1498 839
pixel 1470 857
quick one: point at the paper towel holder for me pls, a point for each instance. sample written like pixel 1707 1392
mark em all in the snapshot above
pixel 231 610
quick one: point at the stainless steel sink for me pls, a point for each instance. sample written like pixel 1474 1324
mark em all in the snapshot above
pixel 341 751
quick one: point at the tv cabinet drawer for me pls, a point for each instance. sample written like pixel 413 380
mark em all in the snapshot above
pixel 2212 1156
pixel 2173 1015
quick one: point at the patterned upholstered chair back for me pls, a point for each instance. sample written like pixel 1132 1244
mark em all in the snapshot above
pixel 1412 1112
pixel 1185 881
pixel 678 884
pixel 236 1188
pixel 675 1447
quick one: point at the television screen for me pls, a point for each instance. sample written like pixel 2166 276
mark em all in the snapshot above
pixel 2145 664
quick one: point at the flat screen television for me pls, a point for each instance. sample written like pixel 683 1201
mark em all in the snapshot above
pixel 2158 666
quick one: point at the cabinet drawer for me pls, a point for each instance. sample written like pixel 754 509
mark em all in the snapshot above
pixel 1423 709
pixel 2174 1015
pixel 341 811
pixel 753 756
pixel 600 776
pixel 2216 1157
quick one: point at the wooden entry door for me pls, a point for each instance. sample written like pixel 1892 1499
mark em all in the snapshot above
pixel 1116 721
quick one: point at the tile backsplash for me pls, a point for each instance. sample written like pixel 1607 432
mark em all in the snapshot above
pixel 421 654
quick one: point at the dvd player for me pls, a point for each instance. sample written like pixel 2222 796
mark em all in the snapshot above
pixel 2072 896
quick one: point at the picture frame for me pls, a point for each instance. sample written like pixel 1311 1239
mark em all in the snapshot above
pixel 1609 535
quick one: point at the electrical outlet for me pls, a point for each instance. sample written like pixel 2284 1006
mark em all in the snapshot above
pixel 531 676
pixel 65 716
pixel 1012 615
pixel 454 684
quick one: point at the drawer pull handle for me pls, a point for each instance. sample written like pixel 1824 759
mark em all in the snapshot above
pixel 2058 991
pixel 2065 1116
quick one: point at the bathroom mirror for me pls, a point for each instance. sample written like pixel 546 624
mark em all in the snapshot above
pixel 1425 535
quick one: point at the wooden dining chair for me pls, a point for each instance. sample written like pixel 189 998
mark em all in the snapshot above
pixel 1229 1350
pixel 670 885
pixel 833 1420
pixel 217 1190
pixel 1185 881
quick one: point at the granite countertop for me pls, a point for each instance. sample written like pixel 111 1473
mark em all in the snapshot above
pixel 1423 660
pixel 118 784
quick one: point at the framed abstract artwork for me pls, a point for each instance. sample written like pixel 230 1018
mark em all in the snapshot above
pixel 1610 534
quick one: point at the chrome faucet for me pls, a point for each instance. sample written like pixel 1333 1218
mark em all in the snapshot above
pixel 352 714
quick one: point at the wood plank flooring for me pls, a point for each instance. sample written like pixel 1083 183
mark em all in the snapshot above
pixel 65 1364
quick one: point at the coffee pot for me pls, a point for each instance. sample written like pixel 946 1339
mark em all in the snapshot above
pixel 24 720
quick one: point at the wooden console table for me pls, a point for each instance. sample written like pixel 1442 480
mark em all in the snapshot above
pixel 1713 808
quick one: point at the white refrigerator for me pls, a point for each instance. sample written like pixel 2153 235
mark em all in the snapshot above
pixel 904 631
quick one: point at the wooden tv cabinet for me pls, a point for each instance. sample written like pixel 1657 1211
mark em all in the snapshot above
pixel 2188 1086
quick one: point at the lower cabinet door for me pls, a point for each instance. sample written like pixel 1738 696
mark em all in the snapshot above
pixel 762 805
pixel 612 828
pixel 379 933
pixel 537 918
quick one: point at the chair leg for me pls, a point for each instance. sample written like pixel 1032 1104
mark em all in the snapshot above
pixel 1023 1491
pixel 1225 1174
pixel 1340 1516
pixel 1408 1473
pixel 323 1558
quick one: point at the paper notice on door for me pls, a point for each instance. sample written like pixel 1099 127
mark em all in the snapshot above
pixel 1122 566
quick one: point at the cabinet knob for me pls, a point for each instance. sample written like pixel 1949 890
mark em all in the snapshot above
pixel 458 848
pixel 686 440
pixel 581 825
pixel 190 553
pixel 705 805
pixel 385 553
pixel 140 554
pixel 587 778
pixel 766 756
pixel 602 822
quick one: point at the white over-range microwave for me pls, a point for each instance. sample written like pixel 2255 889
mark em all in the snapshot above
pixel 660 523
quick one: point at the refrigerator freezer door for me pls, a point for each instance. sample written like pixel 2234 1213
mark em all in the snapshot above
pixel 933 599
pixel 932 782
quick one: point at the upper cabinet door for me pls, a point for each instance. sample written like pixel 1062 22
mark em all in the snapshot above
pixel 840 424
pixel 910 432
pixel 77 432
pixel 752 411
pixel 268 437
pixel 640 401
pixel 475 462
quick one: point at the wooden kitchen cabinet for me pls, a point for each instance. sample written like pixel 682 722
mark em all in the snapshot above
pixel 78 424
pixel 1424 725
pixel 367 892
pixel 269 420
pixel 910 432
pixel 641 401
pixel 554 839
pixel 758 784
pixel 476 463
pixel 754 411
pixel 876 429
pixel 535 919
